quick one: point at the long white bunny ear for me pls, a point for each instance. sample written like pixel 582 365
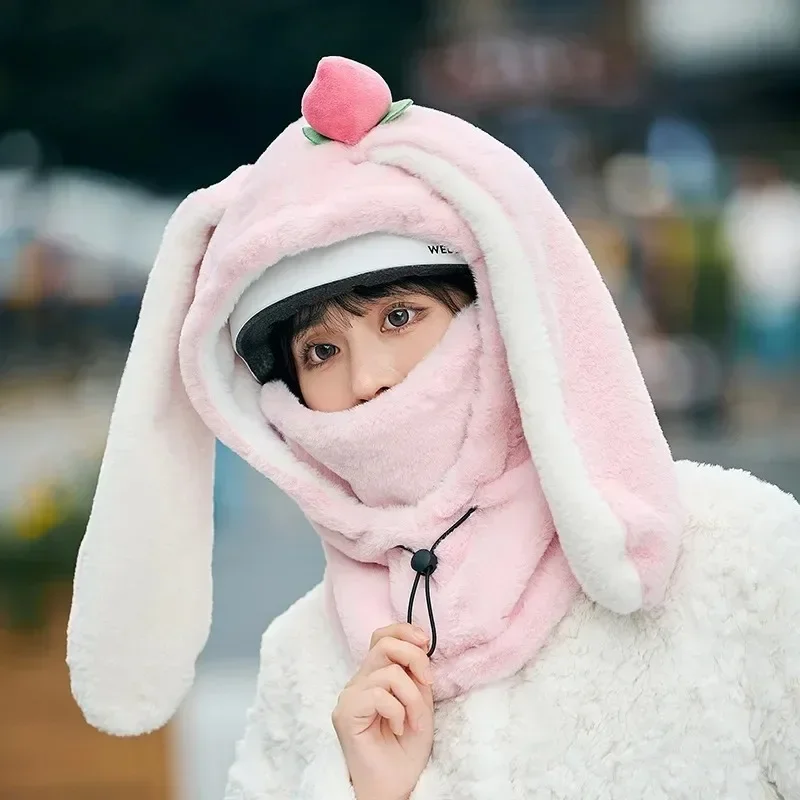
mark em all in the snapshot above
pixel 141 607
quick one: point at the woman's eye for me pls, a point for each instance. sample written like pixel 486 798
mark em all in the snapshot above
pixel 322 352
pixel 399 317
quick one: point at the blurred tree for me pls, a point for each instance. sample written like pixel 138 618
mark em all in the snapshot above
pixel 177 93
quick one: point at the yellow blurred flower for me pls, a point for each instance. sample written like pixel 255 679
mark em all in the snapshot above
pixel 40 512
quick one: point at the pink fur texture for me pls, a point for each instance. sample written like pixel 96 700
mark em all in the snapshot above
pixel 397 448
pixel 607 486
pixel 345 100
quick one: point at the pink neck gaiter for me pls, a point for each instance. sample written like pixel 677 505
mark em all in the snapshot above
pixel 449 436
pixel 361 447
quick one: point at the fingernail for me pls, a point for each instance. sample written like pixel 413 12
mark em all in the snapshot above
pixel 428 675
pixel 420 634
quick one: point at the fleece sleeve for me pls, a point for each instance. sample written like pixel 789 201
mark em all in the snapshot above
pixel 771 619
pixel 289 750
pixel 267 768
pixel 278 760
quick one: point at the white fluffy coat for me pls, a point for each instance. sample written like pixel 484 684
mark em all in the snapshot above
pixel 697 699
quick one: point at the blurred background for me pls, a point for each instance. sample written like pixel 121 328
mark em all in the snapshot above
pixel 668 130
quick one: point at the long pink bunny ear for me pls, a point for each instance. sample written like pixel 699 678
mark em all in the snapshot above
pixel 141 607
pixel 603 461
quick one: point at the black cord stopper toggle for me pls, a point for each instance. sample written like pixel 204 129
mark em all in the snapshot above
pixel 424 562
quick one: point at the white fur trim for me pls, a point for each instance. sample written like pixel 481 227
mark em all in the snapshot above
pixel 141 607
pixel 321 266
pixel 592 537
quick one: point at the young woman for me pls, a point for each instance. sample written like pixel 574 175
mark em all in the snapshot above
pixel 525 596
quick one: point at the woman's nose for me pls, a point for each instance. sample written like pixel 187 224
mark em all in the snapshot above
pixel 372 371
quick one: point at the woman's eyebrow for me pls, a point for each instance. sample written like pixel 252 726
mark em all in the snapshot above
pixel 329 324
pixel 305 333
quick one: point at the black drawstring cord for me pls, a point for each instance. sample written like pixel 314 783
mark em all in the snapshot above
pixel 424 563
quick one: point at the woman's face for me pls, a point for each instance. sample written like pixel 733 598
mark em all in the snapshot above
pixel 348 359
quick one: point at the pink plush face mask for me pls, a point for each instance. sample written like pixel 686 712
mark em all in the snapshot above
pixel 397 448
pixel 562 456
pixel 451 430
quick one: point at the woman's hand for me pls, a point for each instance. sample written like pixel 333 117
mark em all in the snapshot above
pixel 384 717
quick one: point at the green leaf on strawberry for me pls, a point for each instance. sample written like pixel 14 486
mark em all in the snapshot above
pixel 395 110
pixel 314 137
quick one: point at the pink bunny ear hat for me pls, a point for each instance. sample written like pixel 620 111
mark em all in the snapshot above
pixel 357 164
